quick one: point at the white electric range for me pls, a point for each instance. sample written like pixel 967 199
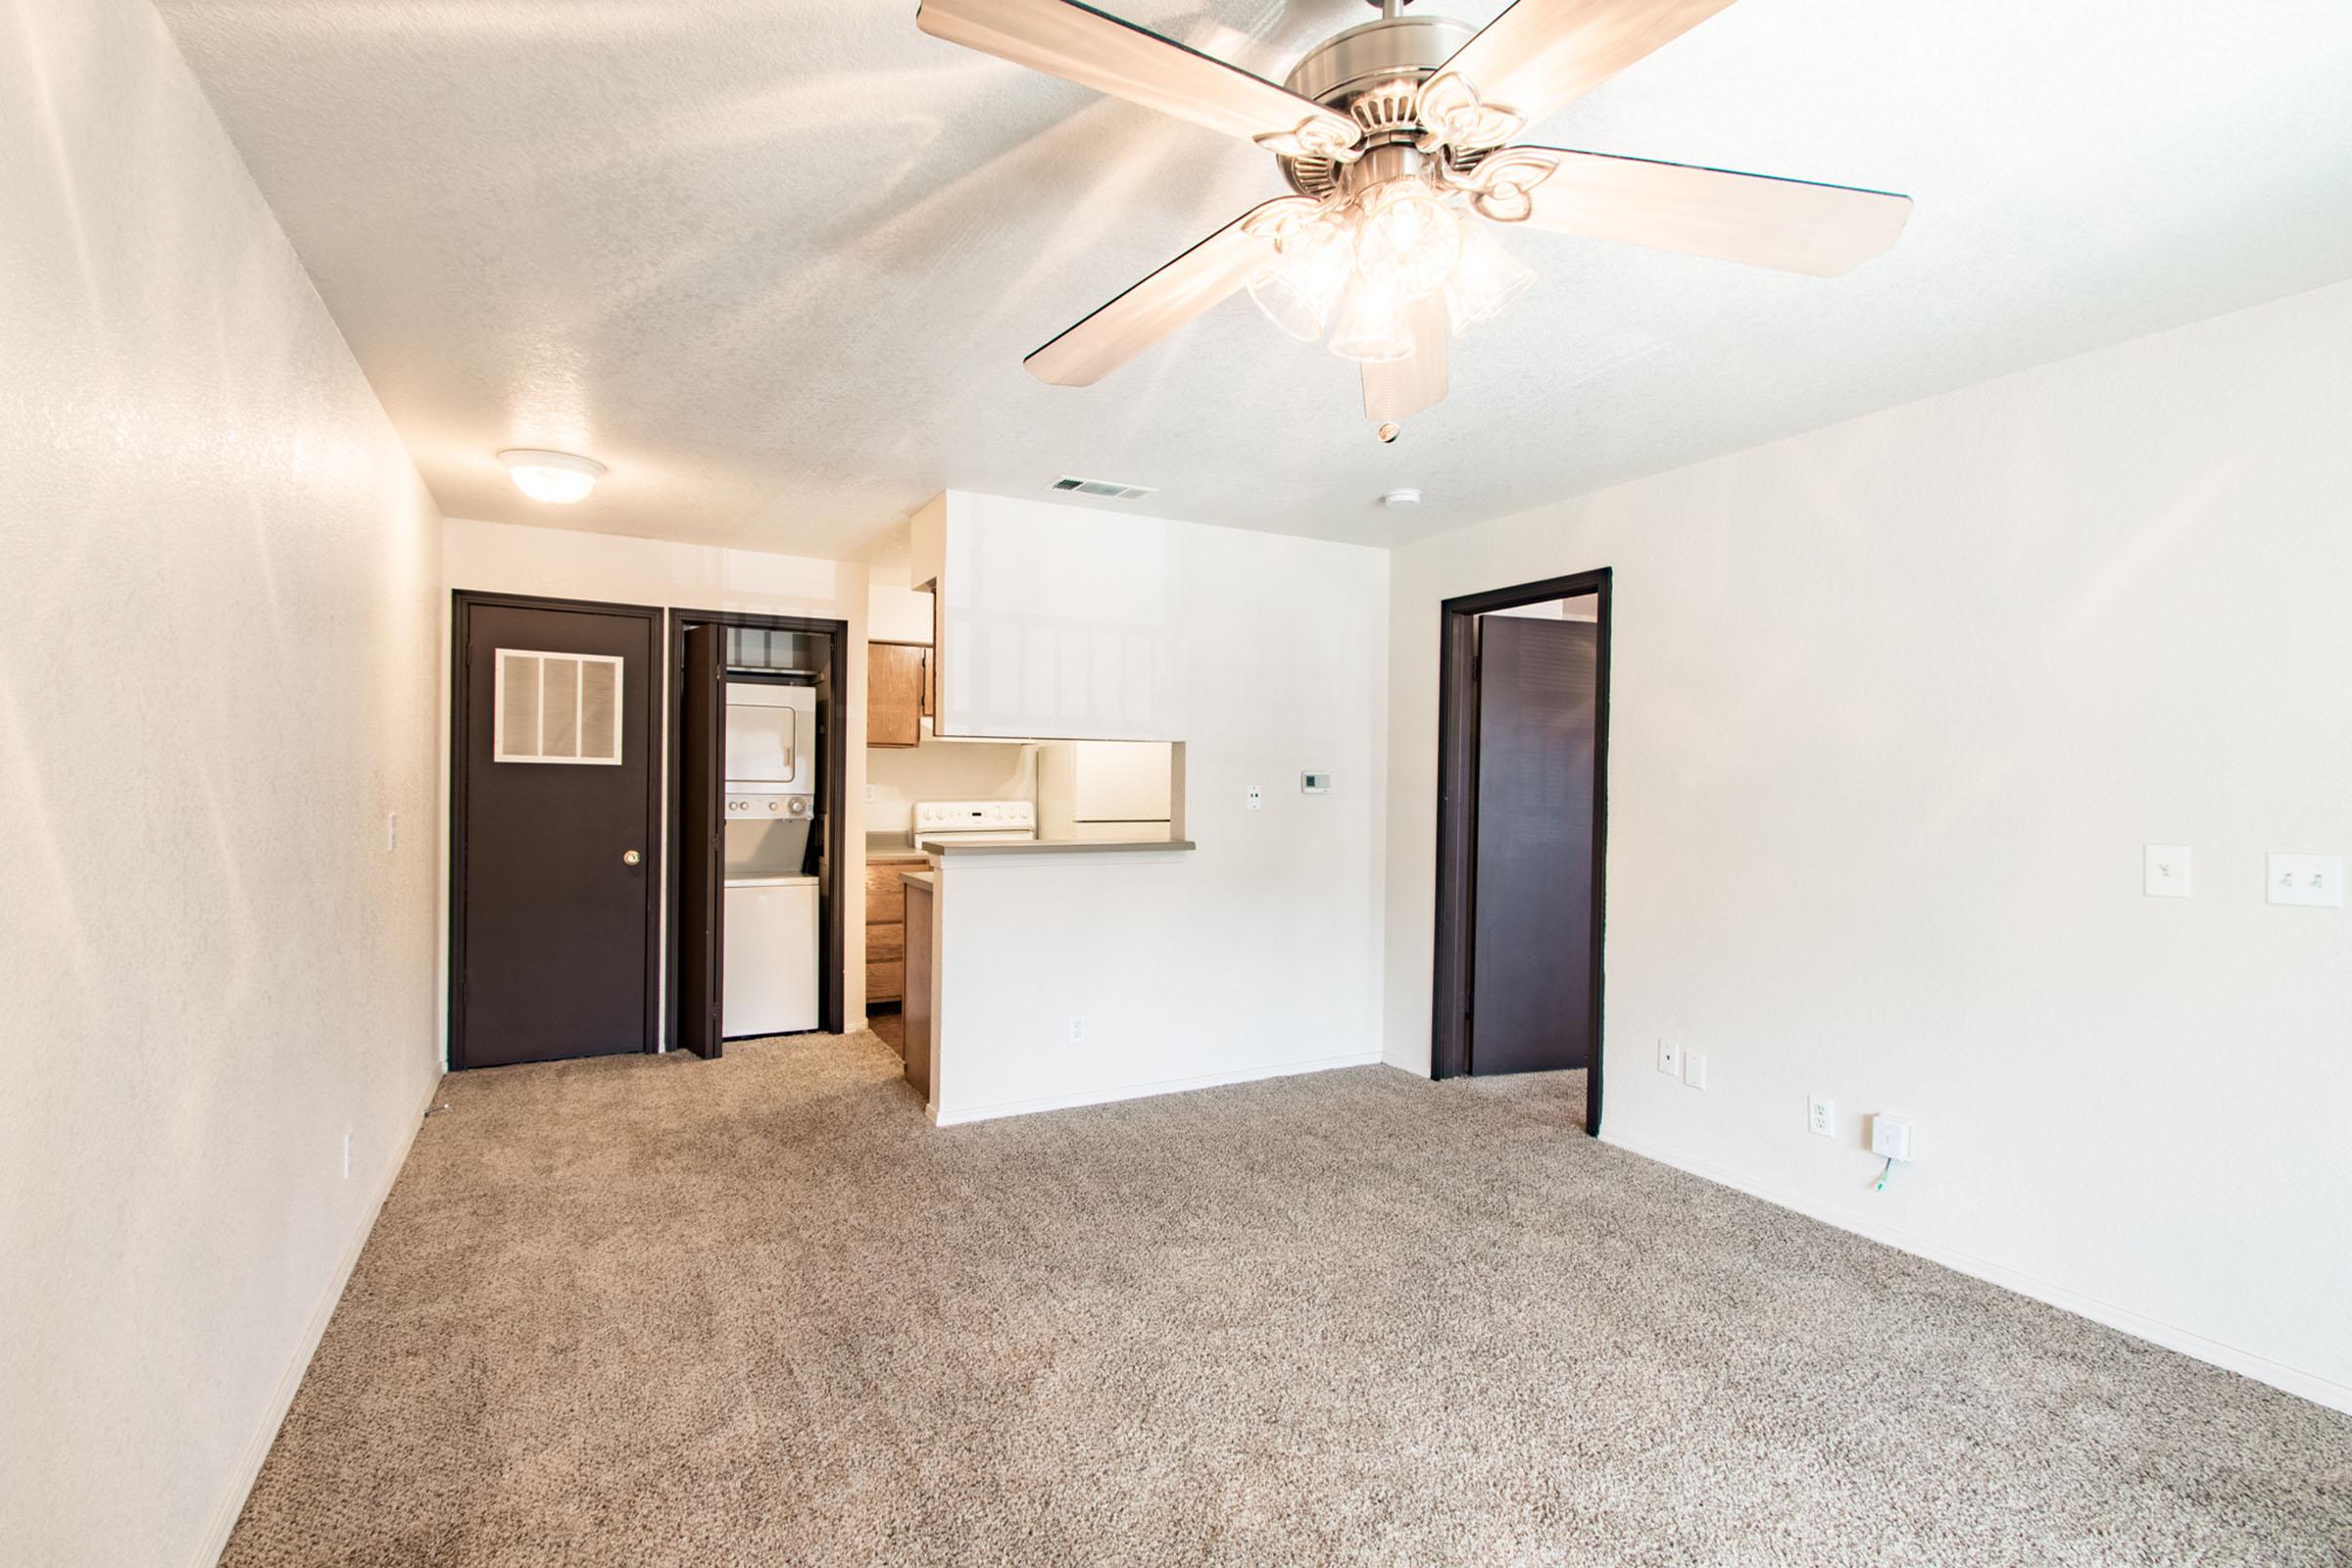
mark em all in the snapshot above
pixel 974 823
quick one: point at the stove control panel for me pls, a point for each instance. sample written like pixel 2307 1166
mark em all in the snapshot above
pixel 974 816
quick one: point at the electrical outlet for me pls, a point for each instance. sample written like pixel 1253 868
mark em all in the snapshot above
pixel 2316 881
pixel 1821 1116
pixel 1889 1138
pixel 347 1153
pixel 2166 874
pixel 1255 799
pixel 1670 1057
pixel 391 831
pixel 1077 1030
pixel 869 795
pixel 1694 1069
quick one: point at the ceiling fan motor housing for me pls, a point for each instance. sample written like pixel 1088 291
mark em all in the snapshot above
pixel 1370 74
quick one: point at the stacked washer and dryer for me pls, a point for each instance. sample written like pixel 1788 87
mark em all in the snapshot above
pixel 772 944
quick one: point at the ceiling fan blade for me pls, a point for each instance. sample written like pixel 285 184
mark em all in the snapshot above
pixel 1161 303
pixel 1398 389
pixel 1541 54
pixel 1078 43
pixel 1793 224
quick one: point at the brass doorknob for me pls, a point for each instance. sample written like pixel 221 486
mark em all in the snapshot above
pixel 630 857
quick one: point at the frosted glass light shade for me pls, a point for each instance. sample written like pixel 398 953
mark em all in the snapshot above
pixel 1485 279
pixel 1372 326
pixel 560 477
pixel 1406 239
pixel 1298 289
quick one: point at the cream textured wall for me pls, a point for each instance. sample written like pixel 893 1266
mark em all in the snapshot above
pixel 564 564
pixel 217 673
pixel 1257 954
pixel 1896 704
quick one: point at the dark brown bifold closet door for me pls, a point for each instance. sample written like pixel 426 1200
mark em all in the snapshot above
pixel 701 809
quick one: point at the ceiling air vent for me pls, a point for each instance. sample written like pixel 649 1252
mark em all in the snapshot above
pixel 1102 487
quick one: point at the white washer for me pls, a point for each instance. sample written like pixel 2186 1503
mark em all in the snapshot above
pixel 770 956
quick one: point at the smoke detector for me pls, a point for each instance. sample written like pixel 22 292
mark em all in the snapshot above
pixel 1396 500
pixel 1109 489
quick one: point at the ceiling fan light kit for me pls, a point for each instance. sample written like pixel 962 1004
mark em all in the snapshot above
pixel 1395 137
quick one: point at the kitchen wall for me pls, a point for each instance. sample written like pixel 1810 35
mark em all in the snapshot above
pixel 1257 954
pixel 1895 705
pixel 897 776
pixel 218 675
pixel 569 564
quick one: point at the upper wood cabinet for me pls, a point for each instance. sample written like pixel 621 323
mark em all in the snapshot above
pixel 897 686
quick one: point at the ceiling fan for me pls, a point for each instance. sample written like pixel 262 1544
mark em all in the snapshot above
pixel 1395 139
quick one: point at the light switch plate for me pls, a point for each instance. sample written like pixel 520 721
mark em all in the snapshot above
pixel 2316 881
pixel 1694 1069
pixel 2167 872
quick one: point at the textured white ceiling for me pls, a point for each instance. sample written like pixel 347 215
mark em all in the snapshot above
pixel 777 261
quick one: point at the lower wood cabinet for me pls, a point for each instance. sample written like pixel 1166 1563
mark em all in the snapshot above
pixel 886 929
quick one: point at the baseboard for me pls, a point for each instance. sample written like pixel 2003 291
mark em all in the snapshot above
pixel 257 1449
pixel 1163 1086
pixel 2246 1363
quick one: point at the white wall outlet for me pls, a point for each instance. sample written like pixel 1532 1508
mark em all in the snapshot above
pixel 1821 1116
pixel 1254 799
pixel 391 831
pixel 1694 1069
pixel 1889 1138
pixel 2167 871
pixel 869 795
pixel 2316 881
pixel 347 1153
pixel 1077 1030
pixel 1670 1057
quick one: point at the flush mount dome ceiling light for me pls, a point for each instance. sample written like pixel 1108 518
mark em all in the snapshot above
pixel 1394 136
pixel 560 477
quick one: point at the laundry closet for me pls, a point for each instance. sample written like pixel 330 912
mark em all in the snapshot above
pixel 759 802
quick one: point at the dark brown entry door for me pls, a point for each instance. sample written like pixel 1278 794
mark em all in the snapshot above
pixel 553 832
pixel 702 820
pixel 1531 960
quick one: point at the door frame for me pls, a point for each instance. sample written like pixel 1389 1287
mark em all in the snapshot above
pixel 1457 812
pixel 462 603
pixel 832 934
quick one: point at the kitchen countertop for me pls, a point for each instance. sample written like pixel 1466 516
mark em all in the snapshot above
pixel 883 847
pixel 1064 847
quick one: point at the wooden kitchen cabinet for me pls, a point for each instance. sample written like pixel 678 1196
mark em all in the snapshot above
pixel 897 685
pixel 886 929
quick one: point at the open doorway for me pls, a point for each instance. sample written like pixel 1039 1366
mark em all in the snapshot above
pixel 1523 726
pixel 757 780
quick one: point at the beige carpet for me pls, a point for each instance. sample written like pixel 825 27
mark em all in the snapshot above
pixel 654 1310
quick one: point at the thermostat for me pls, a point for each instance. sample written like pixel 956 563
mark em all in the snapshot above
pixel 1314 783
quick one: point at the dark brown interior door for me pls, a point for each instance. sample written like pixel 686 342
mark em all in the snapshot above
pixel 1531 958
pixel 553 832
pixel 701 826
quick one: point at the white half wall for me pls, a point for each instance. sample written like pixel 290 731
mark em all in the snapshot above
pixel 1257 952
pixel 217 676
pixel 569 564
pixel 1895 705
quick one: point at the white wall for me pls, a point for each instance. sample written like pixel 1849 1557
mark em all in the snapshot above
pixel 217 673
pixel 1259 951
pixel 567 564
pixel 1895 705
pixel 897 776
